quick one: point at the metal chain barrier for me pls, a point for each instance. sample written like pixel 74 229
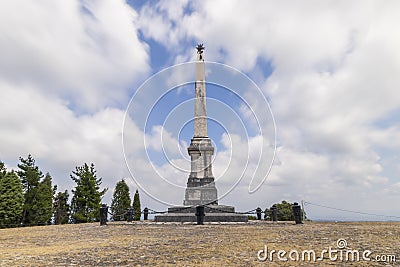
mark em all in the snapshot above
pixel 253 211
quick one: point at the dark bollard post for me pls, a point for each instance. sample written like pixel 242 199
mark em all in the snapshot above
pixel 200 215
pixel 129 214
pixel 258 210
pixel 274 213
pixel 297 212
pixel 103 214
pixel 145 214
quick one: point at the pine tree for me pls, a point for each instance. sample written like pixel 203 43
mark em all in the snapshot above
pixel 85 204
pixel 61 208
pixel 136 206
pixel 42 208
pixel 11 198
pixel 30 176
pixel 121 201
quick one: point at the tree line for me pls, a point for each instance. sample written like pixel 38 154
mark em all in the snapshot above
pixel 28 197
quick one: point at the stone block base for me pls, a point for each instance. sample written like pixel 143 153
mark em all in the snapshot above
pixel 213 213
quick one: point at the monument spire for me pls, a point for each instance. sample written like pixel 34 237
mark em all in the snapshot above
pixel 201 194
pixel 200 187
pixel 200 109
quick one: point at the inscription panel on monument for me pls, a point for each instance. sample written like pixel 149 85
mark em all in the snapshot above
pixel 194 194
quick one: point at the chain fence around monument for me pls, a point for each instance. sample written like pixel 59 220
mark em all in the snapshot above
pixel 268 213
pixel 249 212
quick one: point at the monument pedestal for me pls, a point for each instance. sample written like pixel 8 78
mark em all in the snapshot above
pixel 213 213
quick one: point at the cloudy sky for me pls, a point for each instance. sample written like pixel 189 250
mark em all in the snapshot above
pixel 330 71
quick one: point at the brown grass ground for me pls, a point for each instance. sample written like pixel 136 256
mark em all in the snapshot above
pixel 150 244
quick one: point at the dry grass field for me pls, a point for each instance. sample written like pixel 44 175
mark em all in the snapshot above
pixel 150 244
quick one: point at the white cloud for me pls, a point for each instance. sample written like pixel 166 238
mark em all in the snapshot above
pixel 162 141
pixel 161 20
pixel 86 53
pixel 58 139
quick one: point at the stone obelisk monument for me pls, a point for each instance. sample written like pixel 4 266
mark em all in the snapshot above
pixel 200 186
pixel 200 189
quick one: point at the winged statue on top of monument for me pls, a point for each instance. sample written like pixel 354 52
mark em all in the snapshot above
pixel 200 48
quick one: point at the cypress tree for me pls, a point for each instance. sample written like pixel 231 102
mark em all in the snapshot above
pixel 85 204
pixel 30 176
pixel 61 208
pixel 136 206
pixel 11 198
pixel 121 201
pixel 3 170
